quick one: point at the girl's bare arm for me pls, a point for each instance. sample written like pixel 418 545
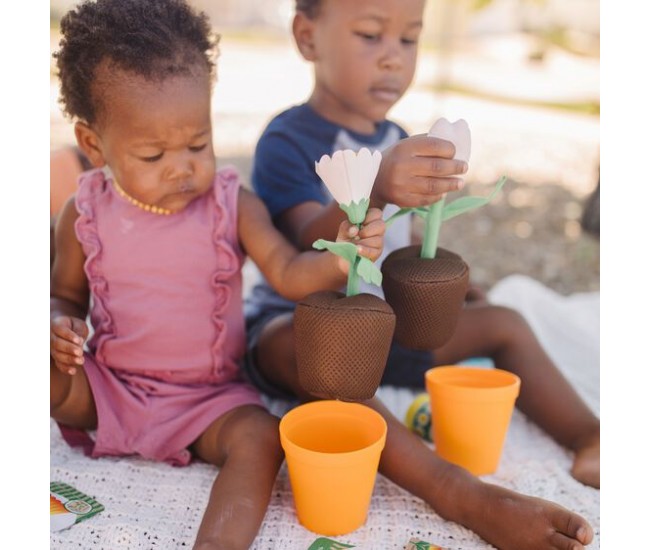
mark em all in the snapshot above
pixel 294 274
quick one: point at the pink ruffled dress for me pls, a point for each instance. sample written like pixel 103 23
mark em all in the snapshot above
pixel 166 310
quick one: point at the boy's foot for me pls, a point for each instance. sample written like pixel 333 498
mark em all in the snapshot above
pixel 586 464
pixel 512 521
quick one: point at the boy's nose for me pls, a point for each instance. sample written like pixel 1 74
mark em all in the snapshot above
pixel 392 57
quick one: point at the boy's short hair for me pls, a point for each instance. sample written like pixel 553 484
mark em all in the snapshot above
pixel 154 39
pixel 308 7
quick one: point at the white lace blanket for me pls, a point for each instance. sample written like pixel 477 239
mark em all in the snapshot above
pixel 150 505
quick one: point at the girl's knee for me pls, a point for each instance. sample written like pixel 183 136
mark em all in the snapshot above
pixel 259 432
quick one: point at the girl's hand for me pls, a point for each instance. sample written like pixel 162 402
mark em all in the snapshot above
pixel 67 336
pixel 369 239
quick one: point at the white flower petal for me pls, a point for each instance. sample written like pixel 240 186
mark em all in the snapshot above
pixel 458 133
pixel 349 175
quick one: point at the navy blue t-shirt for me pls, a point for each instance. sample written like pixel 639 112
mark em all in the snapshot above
pixel 284 176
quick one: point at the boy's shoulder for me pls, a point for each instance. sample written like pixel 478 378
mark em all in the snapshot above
pixel 303 127
pixel 298 120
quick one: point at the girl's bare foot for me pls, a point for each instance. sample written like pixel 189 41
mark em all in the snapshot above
pixel 512 521
pixel 586 464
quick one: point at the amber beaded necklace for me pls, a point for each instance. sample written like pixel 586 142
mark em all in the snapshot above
pixel 135 202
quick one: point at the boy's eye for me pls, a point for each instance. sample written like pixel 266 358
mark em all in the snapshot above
pixel 409 41
pixel 152 159
pixel 370 37
pixel 197 148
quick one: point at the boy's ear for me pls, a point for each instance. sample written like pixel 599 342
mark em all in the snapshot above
pixel 89 143
pixel 303 34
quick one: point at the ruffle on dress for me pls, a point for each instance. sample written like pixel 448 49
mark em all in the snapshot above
pixel 226 190
pixel 91 184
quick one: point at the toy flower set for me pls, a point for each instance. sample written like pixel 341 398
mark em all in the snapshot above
pixel 333 446
pixel 343 341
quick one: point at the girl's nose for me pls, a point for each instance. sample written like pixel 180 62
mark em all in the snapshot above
pixel 181 167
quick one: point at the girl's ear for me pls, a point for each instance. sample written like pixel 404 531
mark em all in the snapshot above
pixel 89 143
pixel 303 34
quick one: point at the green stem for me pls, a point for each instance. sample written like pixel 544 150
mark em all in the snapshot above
pixel 432 230
pixel 353 279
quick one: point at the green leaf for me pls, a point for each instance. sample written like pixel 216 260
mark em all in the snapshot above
pixel 464 204
pixel 347 251
pixel 369 272
pixel 323 543
pixel 401 212
pixel 417 210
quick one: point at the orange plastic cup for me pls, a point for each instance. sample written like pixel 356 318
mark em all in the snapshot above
pixel 471 410
pixel 332 450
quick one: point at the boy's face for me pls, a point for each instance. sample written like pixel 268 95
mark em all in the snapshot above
pixel 155 136
pixel 364 53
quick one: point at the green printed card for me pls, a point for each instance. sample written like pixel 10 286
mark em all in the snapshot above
pixel 69 506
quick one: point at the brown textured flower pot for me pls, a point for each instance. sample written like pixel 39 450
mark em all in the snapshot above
pixel 426 295
pixel 342 344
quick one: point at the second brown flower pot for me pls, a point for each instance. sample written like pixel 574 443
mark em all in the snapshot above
pixel 427 295
pixel 342 344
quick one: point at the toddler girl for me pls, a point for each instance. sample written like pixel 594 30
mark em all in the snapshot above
pixel 152 247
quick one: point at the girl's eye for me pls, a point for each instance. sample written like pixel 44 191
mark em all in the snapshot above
pixel 409 41
pixel 152 159
pixel 197 148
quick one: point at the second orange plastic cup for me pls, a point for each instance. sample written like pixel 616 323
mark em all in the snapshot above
pixel 332 450
pixel 471 410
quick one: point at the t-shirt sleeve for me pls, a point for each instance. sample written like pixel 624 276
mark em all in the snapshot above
pixel 283 175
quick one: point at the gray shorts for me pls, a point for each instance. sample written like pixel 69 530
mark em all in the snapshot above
pixel 405 367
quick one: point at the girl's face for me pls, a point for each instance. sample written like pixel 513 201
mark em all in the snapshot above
pixel 364 54
pixel 157 137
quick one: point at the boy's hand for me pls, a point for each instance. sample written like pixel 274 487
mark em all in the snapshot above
pixel 369 239
pixel 417 171
pixel 67 336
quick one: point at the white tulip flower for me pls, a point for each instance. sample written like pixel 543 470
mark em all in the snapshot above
pixel 458 133
pixel 349 176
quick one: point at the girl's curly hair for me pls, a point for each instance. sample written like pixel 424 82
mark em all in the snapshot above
pixel 154 39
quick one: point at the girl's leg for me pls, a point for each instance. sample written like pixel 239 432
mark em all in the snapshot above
pixel 494 513
pixel 71 400
pixel 245 445
pixel 546 397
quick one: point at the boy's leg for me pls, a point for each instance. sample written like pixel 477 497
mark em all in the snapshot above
pixel 546 396
pixel 245 444
pixel 494 513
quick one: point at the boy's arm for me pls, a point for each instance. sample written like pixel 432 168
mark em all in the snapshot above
pixel 416 171
pixel 293 274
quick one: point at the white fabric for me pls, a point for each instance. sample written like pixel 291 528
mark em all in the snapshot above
pixel 150 505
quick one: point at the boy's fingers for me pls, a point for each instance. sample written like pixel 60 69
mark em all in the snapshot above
pixel 431 187
pixel 437 166
pixel 422 145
